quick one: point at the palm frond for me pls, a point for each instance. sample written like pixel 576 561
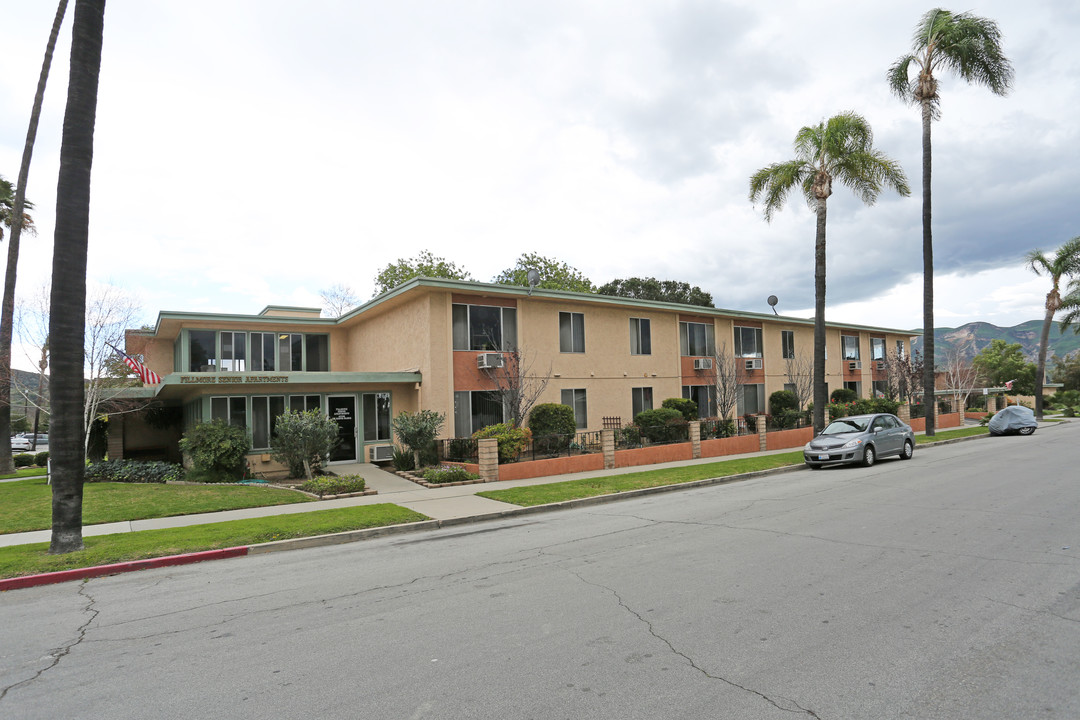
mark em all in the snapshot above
pixel 774 183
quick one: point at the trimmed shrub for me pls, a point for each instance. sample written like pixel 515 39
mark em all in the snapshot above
pixel 843 395
pixel 216 451
pixel 23 460
pixel 133 471
pixel 334 485
pixel 303 436
pixel 449 474
pixel 662 425
pixel 686 407
pixel 42 459
pixel 512 440
pixel 782 400
pixel 417 431
pixel 553 427
pixel 403 460
pixel 863 406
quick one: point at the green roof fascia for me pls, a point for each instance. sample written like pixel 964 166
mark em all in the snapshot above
pixel 290 378
pixel 465 286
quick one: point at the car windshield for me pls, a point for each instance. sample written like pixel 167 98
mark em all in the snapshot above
pixel 846 425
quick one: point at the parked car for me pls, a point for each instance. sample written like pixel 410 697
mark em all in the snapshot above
pixel 42 439
pixel 1013 420
pixel 860 439
pixel 20 443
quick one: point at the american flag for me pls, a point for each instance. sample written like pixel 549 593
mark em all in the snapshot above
pixel 148 376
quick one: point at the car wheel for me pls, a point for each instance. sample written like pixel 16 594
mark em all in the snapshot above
pixel 908 452
pixel 1026 430
pixel 868 456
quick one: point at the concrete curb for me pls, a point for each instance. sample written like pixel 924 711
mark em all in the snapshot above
pixel 371 533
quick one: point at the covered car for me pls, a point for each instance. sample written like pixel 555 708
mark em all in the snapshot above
pixel 1013 420
pixel 860 439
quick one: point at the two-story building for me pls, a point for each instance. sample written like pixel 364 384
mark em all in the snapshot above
pixel 449 346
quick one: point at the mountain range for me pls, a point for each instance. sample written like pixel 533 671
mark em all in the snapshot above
pixel 969 339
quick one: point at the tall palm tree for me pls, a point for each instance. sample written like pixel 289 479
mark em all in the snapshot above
pixel 18 208
pixel 969 46
pixel 840 149
pixel 68 300
pixel 1066 263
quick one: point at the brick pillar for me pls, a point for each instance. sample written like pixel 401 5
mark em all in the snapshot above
pixel 114 450
pixel 607 442
pixel 991 404
pixel 937 413
pixel 488 451
pixel 695 439
pixel 904 413
pixel 760 421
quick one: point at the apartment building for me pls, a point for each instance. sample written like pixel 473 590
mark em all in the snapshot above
pixel 448 345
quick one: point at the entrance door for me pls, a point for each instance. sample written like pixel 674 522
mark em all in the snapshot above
pixel 342 408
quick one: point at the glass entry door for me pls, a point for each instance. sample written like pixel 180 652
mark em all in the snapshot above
pixel 342 409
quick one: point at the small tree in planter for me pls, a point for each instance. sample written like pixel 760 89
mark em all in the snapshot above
pixel 302 441
pixel 216 451
pixel 418 430
pixel 553 427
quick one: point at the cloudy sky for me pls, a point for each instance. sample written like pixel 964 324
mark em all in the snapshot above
pixel 253 153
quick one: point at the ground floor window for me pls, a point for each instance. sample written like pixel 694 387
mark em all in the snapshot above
pixel 305 403
pixel 265 412
pixel 855 386
pixel 575 398
pixel 641 400
pixel 704 396
pixel 232 410
pixel 476 409
pixel 881 388
pixel 751 399
pixel 376 417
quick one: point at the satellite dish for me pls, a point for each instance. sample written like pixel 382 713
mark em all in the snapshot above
pixel 772 303
pixel 533 278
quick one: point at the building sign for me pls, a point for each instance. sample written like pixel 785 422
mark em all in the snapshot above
pixel 232 379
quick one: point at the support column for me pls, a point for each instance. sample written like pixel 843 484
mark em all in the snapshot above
pixel 607 442
pixel 904 413
pixel 991 404
pixel 487 450
pixel 761 422
pixel 114 449
pixel 695 439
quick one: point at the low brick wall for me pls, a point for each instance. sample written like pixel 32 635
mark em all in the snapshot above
pixel 979 415
pixel 551 466
pixel 730 446
pixel 945 420
pixel 784 439
pixel 655 454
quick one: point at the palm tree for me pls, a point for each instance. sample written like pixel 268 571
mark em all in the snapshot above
pixel 68 301
pixel 1066 263
pixel 840 149
pixel 970 46
pixel 19 204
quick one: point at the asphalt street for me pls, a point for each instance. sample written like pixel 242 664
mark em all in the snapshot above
pixel 947 586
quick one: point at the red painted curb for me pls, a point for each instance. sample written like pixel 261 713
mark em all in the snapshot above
pixel 100 570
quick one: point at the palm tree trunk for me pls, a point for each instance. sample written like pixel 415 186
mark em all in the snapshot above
pixel 821 393
pixel 1040 370
pixel 928 277
pixel 8 306
pixel 67 318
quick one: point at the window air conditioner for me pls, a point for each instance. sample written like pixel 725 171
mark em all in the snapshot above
pixel 880 364
pixel 857 365
pixel 703 364
pixel 486 361
pixel 754 364
pixel 382 453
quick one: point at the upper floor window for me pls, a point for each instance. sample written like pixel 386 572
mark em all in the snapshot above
pixel 787 341
pixel 571 332
pixel 697 339
pixel 877 348
pixel 747 342
pixel 230 351
pixel 900 349
pixel 640 336
pixel 851 346
pixel 484 327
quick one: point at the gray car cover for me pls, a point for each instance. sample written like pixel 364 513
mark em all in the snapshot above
pixel 1011 419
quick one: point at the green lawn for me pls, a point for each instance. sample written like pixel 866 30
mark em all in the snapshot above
pixel 25 473
pixel 22 560
pixel 575 489
pixel 27 504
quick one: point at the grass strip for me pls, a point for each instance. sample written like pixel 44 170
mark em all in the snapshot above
pixel 25 473
pixel 19 560
pixel 26 505
pixel 950 434
pixel 576 489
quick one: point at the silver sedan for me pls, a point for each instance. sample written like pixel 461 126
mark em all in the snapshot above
pixel 860 439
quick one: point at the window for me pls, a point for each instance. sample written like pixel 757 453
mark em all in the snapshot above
pixel 787 341
pixel 747 342
pixel 571 332
pixel 751 400
pixel 305 403
pixel 880 387
pixel 900 349
pixel 476 409
pixel 697 339
pixel 576 400
pixel 484 327
pixel 317 348
pixel 640 336
pixel 233 351
pixel 851 346
pixel 377 417
pixel 232 410
pixel 290 352
pixel 201 352
pixel 854 385
pixel 704 396
pixel 877 348
pixel 641 400
pixel 265 412
pixel 262 351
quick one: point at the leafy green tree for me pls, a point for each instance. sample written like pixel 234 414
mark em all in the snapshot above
pixel 840 149
pixel 417 431
pixel 70 242
pixel 661 290
pixel 554 274
pixel 969 46
pixel 423 265
pixel 1001 362
pixel 303 441
pixel 1067 372
pixel 1065 264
